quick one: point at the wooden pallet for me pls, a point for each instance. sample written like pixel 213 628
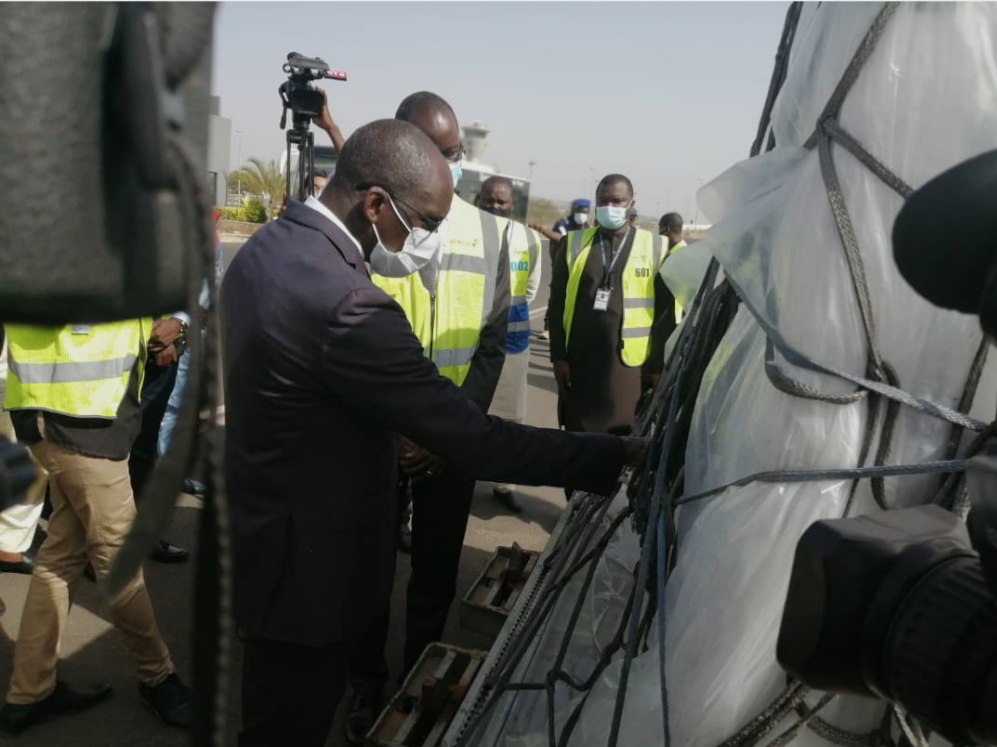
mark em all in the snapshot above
pixel 422 710
pixel 486 607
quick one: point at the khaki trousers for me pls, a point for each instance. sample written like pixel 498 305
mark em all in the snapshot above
pixel 93 510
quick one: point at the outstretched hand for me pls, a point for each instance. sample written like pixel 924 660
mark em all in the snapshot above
pixel 634 451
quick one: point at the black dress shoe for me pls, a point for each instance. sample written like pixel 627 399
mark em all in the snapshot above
pixel 170 700
pixel 194 487
pixel 164 552
pixel 509 499
pixel 405 539
pixel 364 710
pixel 25 565
pixel 64 699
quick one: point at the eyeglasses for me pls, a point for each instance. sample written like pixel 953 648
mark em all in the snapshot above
pixel 432 225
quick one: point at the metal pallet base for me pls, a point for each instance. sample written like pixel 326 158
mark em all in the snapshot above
pixel 487 605
pixel 532 594
pixel 429 700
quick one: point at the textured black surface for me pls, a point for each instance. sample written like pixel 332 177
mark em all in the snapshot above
pixel 79 241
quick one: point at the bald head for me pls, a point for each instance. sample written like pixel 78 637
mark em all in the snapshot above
pixel 434 116
pixel 393 155
pixel 383 162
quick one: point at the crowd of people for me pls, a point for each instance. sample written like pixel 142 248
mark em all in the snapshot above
pixel 376 344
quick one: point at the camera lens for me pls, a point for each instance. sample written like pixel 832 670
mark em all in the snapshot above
pixel 895 606
pixel 940 649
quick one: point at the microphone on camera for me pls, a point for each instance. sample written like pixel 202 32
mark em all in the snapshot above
pixel 945 239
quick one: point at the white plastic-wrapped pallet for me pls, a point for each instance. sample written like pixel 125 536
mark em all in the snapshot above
pixel 924 100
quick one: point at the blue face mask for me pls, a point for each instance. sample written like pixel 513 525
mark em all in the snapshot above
pixel 456 171
pixel 611 217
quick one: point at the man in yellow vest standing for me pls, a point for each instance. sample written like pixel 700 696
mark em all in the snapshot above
pixel 73 397
pixel 457 301
pixel 611 314
pixel 670 227
pixel 526 247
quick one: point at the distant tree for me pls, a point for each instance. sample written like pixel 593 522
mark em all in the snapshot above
pixel 543 212
pixel 263 179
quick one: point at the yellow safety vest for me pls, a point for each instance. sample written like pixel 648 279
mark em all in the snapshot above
pixel 646 255
pixel 81 370
pixel 524 259
pixel 678 306
pixel 448 322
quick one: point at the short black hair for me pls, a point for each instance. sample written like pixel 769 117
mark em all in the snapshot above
pixel 671 222
pixel 387 153
pixel 422 101
pixel 319 175
pixel 611 179
pixel 492 180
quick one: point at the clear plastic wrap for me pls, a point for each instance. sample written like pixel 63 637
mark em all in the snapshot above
pixel 925 99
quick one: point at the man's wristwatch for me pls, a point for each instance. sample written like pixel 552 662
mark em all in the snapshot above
pixel 183 326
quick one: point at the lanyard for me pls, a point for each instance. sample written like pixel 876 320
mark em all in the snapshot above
pixel 607 271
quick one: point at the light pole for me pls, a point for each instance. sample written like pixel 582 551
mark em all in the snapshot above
pixel 695 221
pixel 239 164
pixel 592 182
pixel 532 164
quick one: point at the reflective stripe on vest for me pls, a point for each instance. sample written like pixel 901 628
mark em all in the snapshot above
pixel 638 276
pixel 77 370
pixel 678 306
pixel 524 254
pixel 448 324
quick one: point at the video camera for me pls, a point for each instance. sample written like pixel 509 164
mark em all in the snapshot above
pixel 902 605
pixel 297 94
pixel 305 102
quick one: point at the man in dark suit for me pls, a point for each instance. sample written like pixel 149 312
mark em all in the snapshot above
pixel 321 371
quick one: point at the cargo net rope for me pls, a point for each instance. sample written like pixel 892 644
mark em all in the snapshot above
pixel 656 490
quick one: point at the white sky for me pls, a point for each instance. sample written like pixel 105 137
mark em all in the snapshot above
pixel 668 93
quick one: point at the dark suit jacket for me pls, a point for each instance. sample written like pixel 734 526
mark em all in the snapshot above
pixel 321 369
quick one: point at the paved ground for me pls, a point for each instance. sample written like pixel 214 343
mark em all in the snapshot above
pixel 92 651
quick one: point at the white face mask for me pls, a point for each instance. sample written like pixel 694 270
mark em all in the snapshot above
pixel 580 218
pixel 419 249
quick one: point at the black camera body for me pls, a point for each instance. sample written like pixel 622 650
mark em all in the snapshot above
pixel 902 605
pixel 305 102
pixel 297 92
pixel 896 606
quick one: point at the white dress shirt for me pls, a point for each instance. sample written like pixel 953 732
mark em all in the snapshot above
pixel 318 207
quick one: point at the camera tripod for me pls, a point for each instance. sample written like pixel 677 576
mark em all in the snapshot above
pixel 301 136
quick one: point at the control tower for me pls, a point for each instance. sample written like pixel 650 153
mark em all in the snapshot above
pixel 475 141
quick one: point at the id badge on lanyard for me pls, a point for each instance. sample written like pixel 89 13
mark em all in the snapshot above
pixel 601 299
pixel 606 287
